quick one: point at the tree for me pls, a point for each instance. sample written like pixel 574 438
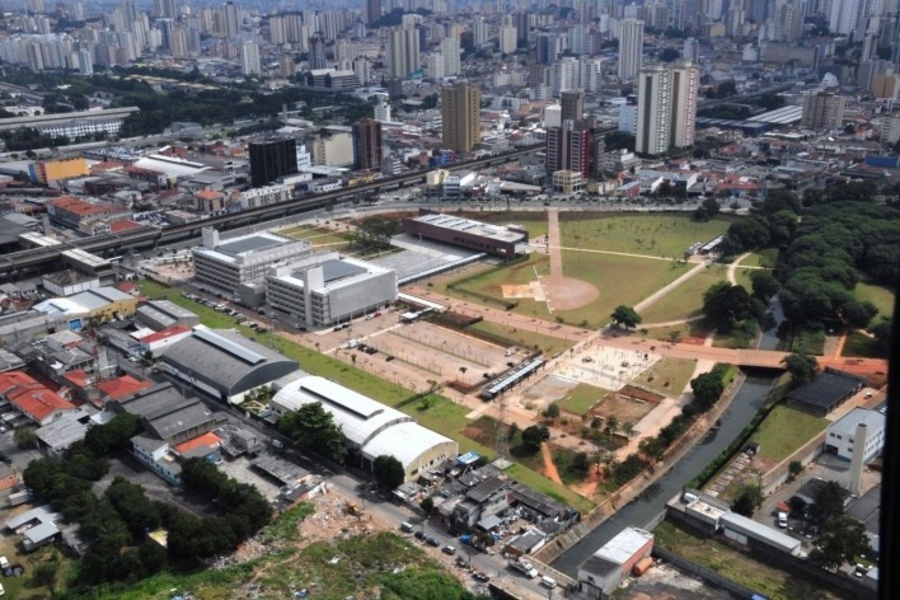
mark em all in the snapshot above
pixel 764 284
pixel 427 505
pixel 26 437
pixel 881 331
pixel 858 314
pixel 44 575
pixel 708 209
pixel 100 440
pixel 626 316
pixel 388 472
pixel 748 501
pixel 795 467
pixel 552 411
pixel 314 430
pixel 653 448
pixel 843 539
pixel 373 235
pixel 707 389
pixel 802 368
pixel 669 55
pixel 534 436
pixel 827 502
pixel 619 140
pixel 725 304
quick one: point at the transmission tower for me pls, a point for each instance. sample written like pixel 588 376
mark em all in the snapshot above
pixel 502 444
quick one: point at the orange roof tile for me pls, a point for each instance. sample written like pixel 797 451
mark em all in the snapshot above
pixel 123 225
pixel 165 333
pixel 123 386
pixel 30 397
pixel 209 439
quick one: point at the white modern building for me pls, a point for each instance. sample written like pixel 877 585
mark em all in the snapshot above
pixel 374 429
pixel 261 196
pixel 238 265
pixel 667 108
pixel 839 437
pixel 324 289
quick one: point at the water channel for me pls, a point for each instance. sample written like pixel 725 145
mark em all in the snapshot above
pixel 639 513
pixel 769 338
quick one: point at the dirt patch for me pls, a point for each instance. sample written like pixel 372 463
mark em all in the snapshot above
pixel 629 405
pixel 548 389
pixel 531 290
pixel 568 293
pixel 549 469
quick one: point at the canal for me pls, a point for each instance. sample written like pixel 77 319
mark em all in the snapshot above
pixel 639 513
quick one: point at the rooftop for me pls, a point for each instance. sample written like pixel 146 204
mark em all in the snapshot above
pixel 827 389
pixel 846 425
pixel 445 221
pixel 624 545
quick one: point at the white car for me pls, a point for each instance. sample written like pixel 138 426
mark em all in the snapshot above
pixel 782 519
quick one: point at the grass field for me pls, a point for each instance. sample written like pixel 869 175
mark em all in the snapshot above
pixel 686 300
pixel 764 258
pixel 881 297
pixel 582 398
pixel 317 236
pixel 861 346
pixel 785 430
pixel 550 346
pixel 766 579
pixel 26 588
pixel 667 235
pixel 668 376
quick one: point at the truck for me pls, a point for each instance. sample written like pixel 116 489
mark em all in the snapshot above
pixel 524 567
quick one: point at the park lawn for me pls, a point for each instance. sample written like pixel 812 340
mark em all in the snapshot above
pixel 566 460
pixel 772 581
pixel 619 280
pixel 880 296
pixel 686 300
pixel 785 430
pixel 667 235
pixel 693 329
pixel 534 221
pixel 550 346
pixel 581 398
pixel 676 372
pixel 317 236
pixel 767 258
pixel 310 360
pixel 860 345
pixel 22 587
pixel 742 276
pixel 488 282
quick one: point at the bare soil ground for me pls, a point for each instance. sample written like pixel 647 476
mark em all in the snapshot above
pixel 548 389
pixel 629 405
pixel 568 293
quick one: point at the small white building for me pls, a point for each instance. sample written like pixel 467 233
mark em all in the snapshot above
pixel 262 196
pixel 839 436
pixel 602 573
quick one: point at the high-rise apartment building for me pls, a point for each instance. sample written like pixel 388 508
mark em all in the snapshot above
pixel 843 16
pixel 367 144
pixel 822 110
pixel 685 90
pixel 317 57
pixel 461 115
pixel 249 58
pixel 402 52
pixel 568 148
pixel 564 75
pixel 631 48
pixel 271 159
pixel 232 19
pixel 654 126
pixel 667 108
pixel 508 36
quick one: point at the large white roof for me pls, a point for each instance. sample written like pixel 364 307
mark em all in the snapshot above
pixel 375 428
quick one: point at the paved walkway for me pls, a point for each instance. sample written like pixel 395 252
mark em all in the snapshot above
pixel 732 268
pixel 646 302
pixel 554 238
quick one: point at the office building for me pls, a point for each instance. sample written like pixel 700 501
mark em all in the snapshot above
pixel 839 437
pixel 822 110
pixel 238 266
pixel 654 126
pixel 271 159
pixel 631 48
pixel 506 242
pixel 383 112
pixel 324 289
pixel 568 148
pixel 317 58
pixel 461 113
pixel 367 144
pixel 572 103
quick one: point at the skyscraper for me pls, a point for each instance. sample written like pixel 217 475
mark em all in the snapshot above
pixel 271 159
pixel 461 113
pixel 568 148
pixel 631 48
pixel 367 144
pixel 317 58
pixel 843 16
pixel 508 36
pixel 654 126
pixel 822 110
pixel 232 19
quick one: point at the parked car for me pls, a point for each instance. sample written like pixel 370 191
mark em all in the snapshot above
pixel 420 535
pixel 432 541
pixel 782 519
pixel 448 549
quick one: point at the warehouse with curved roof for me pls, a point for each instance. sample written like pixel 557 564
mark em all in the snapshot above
pixel 370 426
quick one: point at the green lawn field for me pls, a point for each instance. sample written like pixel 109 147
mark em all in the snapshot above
pixel 881 297
pixel 686 300
pixel 581 398
pixel 667 235
pixel 785 430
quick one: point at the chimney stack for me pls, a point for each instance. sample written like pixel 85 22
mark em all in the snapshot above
pixel 858 459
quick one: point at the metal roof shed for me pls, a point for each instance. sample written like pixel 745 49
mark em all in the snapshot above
pixel 743 526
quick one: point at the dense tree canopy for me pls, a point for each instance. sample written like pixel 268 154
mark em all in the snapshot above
pixel 724 305
pixel 534 436
pixel 313 430
pixel 802 367
pixel 389 473
pixel 626 316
